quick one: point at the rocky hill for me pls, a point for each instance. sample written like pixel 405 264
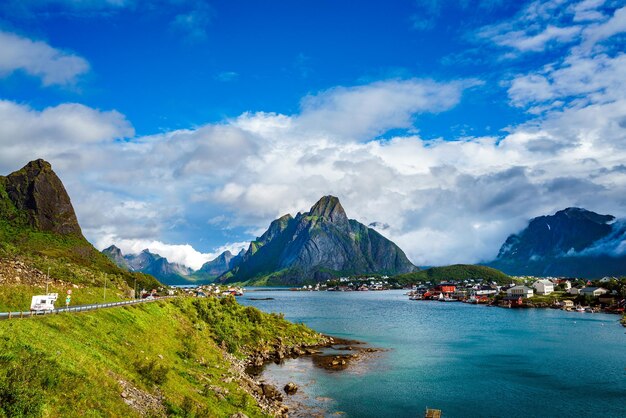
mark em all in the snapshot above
pixel 315 246
pixel 572 242
pixel 38 227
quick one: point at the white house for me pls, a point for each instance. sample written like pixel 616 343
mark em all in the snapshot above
pixel 567 284
pixel 593 291
pixel 544 287
pixel 523 291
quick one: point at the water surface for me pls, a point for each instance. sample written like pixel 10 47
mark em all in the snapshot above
pixel 464 359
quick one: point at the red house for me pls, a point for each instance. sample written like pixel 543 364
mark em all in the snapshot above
pixel 446 288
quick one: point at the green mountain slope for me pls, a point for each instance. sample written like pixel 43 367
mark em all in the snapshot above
pixel 155 359
pixel 454 272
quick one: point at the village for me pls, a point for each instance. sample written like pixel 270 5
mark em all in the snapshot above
pixel 605 295
pixel 570 294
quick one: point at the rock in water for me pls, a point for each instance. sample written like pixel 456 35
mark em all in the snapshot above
pixel 290 388
pixel 36 190
pixel 318 245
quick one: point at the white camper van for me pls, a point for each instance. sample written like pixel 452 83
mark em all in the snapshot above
pixel 43 302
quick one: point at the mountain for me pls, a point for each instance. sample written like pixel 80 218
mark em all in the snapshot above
pixel 220 265
pixel 315 246
pixel 454 272
pixel 38 193
pixel 150 263
pixel 39 229
pixel 573 242
pixel 116 256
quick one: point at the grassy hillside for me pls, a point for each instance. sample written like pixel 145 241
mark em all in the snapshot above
pixel 70 258
pixel 164 356
pixel 454 272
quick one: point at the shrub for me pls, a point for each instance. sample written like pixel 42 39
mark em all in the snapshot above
pixel 152 372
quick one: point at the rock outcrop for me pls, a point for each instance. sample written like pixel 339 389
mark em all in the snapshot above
pixel 39 193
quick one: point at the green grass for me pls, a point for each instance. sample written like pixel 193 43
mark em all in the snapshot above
pixel 18 297
pixel 72 365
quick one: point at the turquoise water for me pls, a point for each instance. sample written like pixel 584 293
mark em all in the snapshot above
pixel 464 359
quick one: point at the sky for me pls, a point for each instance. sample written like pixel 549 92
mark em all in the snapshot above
pixel 187 126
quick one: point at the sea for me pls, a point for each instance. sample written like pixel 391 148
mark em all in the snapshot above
pixel 465 360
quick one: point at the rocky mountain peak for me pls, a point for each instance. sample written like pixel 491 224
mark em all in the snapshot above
pixel 37 190
pixel 112 249
pixel 584 215
pixel 330 208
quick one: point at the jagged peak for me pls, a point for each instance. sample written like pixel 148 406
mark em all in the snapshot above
pixel 329 207
pixel 112 248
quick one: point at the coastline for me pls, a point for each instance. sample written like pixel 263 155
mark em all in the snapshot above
pixel 334 354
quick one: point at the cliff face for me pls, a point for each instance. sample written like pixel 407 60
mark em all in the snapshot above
pixel 37 191
pixel 572 242
pixel 318 245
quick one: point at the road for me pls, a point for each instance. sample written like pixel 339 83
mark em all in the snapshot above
pixel 75 309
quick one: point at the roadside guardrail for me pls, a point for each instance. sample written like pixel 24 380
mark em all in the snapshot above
pixel 76 309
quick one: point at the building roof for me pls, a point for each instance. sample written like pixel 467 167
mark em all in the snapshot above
pixel 520 287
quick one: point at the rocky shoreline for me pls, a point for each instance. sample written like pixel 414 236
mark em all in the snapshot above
pixel 268 396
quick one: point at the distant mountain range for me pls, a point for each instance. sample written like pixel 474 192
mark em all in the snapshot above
pixel 314 246
pixel 323 243
pixel 317 245
pixel 167 272
pixel 573 242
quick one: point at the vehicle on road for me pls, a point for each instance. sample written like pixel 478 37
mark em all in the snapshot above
pixel 41 303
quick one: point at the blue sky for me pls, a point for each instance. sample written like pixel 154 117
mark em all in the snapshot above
pixel 195 123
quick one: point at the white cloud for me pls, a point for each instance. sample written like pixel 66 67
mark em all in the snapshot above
pixel 601 31
pixel 363 112
pixel 39 59
pixel 524 41
pixel 61 132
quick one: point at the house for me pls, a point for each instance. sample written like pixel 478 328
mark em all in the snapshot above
pixel 567 284
pixel 544 287
pixel 566 304
pixel 607 299
pixel 486 290
pixel 446 288
pixel 574 291
pixel 520 291
pixel 593 291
